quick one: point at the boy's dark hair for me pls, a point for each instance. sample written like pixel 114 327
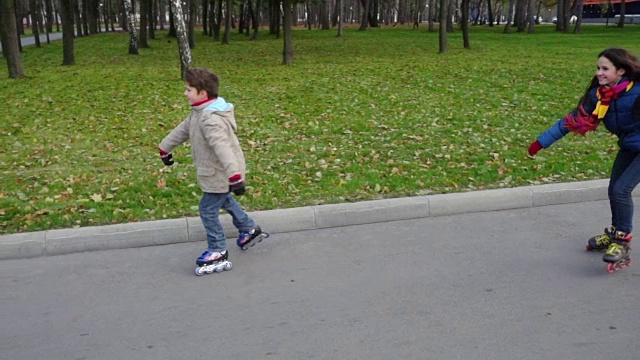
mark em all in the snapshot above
pixel 203 79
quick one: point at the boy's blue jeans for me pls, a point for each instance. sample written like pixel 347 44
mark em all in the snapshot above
pixel 625 176
pixel 210 206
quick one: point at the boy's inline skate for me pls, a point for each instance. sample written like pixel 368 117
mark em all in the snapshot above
pixel 618 255
pixel 247 239
pixel 210 262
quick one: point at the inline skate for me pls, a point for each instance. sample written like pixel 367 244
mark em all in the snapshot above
pixel 210 262
pixel 618 255
pixel 601 242
pixel 247 239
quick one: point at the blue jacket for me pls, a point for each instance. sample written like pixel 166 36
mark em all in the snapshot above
pixel 620 120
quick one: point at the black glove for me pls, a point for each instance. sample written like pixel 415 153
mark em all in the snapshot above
pixel 166 157
pixel 236 184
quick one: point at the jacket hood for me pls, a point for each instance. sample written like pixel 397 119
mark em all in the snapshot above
pixel 224 110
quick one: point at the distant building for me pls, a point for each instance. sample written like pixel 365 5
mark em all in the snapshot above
pixel 609 8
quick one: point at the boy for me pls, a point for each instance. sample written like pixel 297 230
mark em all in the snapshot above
pixel 219 161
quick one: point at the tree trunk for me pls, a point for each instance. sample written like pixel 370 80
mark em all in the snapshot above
pixel 78 20
pixel 464 22
pixel 205 17
pixel 133 39
pixel 451 5
pixel 48 9
pixel 324 15
pixel 339 17
pixel 520 18
pixel 181 34
pixel 287 23
pixel 364 22
pixel 10 40
pixel 66 13
pixel 36 20
pixel 507 25
pixel 622 13
pixel 191 22
pixel 144 15
pixel 153 15
pixel 255 20
pixel 432 6
pixel 227 21
pixel 580 8
pixel 444 9
pixel 216 28
pixel 531 17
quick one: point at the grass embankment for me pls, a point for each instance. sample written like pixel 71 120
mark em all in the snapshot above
pixel 370 115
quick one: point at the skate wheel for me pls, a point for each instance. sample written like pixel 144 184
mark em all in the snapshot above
pixel 589 248
pixel 199 271
pixel 611 268
pixel 228 266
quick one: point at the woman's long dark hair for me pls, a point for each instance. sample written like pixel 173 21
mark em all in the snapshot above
pixel 621 59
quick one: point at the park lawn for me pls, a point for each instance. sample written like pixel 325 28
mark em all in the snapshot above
pixel 370 115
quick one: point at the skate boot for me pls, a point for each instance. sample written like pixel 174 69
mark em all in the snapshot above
pixel 247 239
pixel 210 262
pixel 618 255
pixel 601 242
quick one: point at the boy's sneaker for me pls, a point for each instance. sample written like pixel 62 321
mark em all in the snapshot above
pixel 249 238
pixel 210 257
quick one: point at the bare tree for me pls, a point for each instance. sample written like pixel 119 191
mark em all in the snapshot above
pixel 10 41
pixel 181 34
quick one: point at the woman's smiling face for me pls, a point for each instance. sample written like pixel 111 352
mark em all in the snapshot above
pixel 607 73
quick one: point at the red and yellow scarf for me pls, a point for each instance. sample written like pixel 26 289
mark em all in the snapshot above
pixel 581 122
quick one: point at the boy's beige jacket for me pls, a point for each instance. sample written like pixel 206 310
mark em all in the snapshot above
pixel 211 129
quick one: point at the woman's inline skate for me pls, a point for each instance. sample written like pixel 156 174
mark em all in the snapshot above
pixel 210 262
pixel 617 245
pixel 618 255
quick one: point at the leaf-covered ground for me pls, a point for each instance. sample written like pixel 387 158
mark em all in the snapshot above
pixel 369 115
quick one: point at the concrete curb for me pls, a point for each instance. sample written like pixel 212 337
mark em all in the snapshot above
pixel 162 232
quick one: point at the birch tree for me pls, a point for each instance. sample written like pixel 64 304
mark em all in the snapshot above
pixel 181 35
pixel 131 24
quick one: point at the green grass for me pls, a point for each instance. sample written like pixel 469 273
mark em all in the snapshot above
pixel 371 115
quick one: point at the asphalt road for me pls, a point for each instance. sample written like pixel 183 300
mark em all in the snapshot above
pixel 502 285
